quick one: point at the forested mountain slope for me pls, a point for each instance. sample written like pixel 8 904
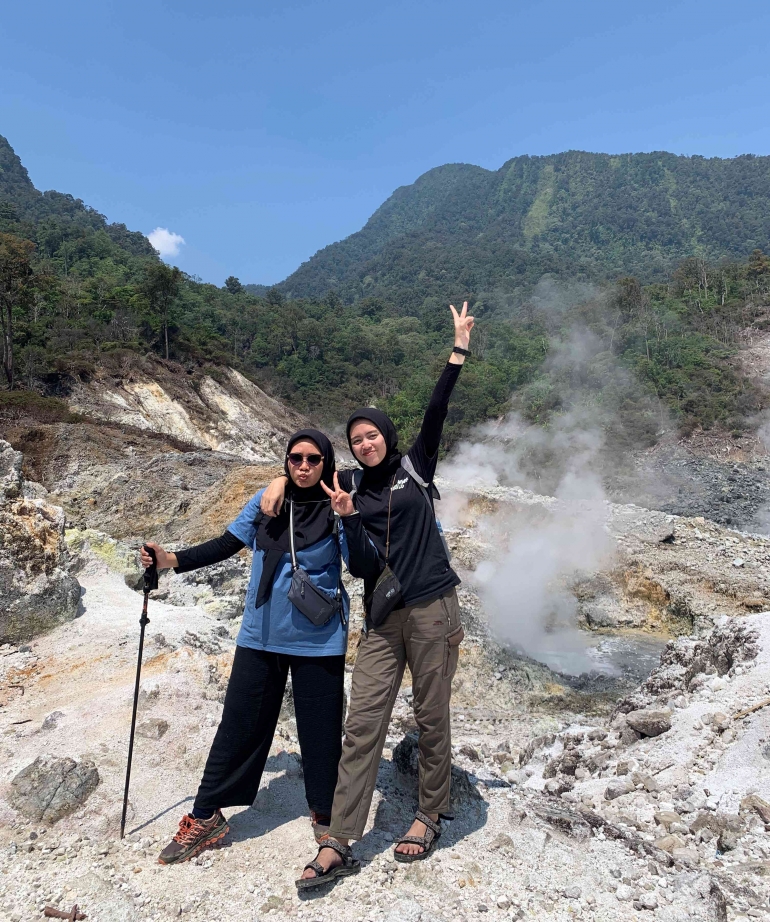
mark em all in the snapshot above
pixel 80 297
pixel 53 218
pixel 460 228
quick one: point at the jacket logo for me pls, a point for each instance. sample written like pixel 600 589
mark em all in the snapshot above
pixel 400 484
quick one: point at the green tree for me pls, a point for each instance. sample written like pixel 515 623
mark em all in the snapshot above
pixel 161 288
pixel 233 285
pixel 758 269
pixel 15 291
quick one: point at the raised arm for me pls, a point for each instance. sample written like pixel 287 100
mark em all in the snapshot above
pixel 424 452
pixel 463 326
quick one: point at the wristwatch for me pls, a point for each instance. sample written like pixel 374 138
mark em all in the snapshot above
pixel 460 351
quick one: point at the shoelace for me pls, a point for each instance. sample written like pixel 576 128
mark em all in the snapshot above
pixel 188 830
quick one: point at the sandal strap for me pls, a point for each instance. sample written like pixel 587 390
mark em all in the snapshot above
pixel 431 824
pixel 317 867
pixel 344 851
pixel 414 840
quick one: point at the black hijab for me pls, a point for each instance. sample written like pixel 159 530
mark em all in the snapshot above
pixel 313 516
pixel 384 423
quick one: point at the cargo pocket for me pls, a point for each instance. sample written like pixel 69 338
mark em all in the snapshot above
pixel 452 652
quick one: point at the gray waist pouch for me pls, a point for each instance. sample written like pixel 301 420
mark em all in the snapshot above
pixel 313 602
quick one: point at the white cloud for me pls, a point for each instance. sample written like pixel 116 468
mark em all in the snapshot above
pixel 166 242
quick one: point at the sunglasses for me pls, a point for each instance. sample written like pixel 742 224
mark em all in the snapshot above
pixel 296 459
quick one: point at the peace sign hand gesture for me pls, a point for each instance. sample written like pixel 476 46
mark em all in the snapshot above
pixel 463 325
pixel 342 502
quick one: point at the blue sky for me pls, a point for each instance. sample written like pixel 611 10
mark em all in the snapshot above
pixel 262 131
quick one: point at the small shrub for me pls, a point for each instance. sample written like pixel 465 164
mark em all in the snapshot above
pixel 17 405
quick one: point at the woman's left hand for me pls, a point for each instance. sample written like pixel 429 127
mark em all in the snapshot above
pixel 342 502
pixel 463 325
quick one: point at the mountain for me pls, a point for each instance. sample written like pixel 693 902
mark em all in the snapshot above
pixel 460 229
pixel 54 216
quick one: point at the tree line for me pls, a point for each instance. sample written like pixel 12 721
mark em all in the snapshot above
pixel 69 296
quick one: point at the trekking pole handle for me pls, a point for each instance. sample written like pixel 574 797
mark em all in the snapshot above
pixel 151 573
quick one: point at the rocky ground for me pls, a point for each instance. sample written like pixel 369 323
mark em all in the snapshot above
pixel 716 474
pixel 566 806
pixel 721 477
pixel 578 816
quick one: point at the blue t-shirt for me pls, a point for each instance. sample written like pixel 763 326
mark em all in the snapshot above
pixel 277 626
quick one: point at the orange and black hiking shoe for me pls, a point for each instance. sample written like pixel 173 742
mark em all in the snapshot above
pixel 193 836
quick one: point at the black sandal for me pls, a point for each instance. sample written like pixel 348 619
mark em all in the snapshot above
pixel 428 841
pixel 322 877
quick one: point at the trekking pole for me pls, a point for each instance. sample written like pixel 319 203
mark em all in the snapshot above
pixel 150 583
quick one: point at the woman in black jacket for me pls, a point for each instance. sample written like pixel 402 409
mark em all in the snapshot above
pixel 392 498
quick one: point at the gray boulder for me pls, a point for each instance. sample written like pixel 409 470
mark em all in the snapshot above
pixel 51 788
pixel 51 722
pixel 650 721
pixel 617 789
pixel 36 590
pixel 153 728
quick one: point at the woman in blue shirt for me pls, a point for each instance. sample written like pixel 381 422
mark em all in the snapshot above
pixel 275 638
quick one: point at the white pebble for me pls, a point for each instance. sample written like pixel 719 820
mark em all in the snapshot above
pixel 624 893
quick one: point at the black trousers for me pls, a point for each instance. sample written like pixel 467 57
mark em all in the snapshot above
pixel 252 705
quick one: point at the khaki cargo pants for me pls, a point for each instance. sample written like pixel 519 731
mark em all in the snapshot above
pixel 427 637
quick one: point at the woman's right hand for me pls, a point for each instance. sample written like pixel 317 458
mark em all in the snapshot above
pixel 272 498
pixel 342 502
pixel 165 559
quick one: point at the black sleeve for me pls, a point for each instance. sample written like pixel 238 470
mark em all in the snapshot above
pixel 424 453
pixel 201 555
pixel 345 479
pixel 363 558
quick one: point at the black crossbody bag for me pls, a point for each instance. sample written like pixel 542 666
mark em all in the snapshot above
pixel 313 602
pixel 386 594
